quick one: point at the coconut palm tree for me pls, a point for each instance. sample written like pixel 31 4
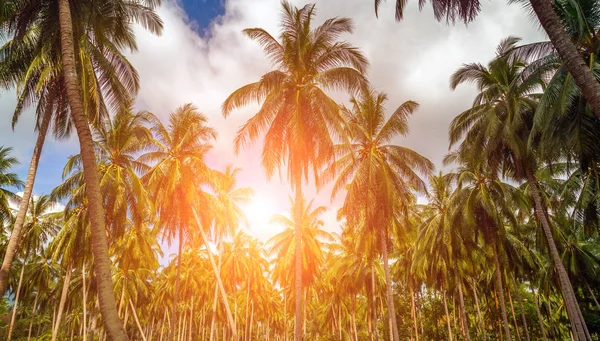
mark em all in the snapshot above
pixel 8 183
pixel 496 131
pixel 111 23
pixel 298 119
pixel 41 224
pixel 581 70
pixel 174 183
pixel 377 173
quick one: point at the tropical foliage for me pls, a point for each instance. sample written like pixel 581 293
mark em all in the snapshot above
pixel 503 245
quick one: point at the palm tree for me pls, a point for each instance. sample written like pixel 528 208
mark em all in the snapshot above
pixel 496 130
pixel 298 119
pixel 38 228
pixel 378 174
pixel 32 60
pixel 175 179
pixel 569 52
pixel 8 182
pixel 283 247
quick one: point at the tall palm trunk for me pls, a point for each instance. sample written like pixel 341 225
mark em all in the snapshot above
pixel 450 334
pixel 537 311
pixel 217 275
pixel 413 310
pixel 463 314
pixel 63 300
pixel 374 302
pixel 592 294
pixel 520 301
pixel 137 321
pixel 481 325
pixel 582 75
pixel 214 309
pixel 35 302
pixel 388 287
pixel 104 287
pixel 298 333
pixel 15 235
pixel 514 316
pixel 16 303
pixel 500 290
pixel 246 326
pixel 578 326
pixel 177 284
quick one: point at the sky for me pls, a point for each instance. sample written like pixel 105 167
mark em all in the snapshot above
pixel 202 57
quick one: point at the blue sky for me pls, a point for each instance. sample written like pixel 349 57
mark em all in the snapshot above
pixel 202 12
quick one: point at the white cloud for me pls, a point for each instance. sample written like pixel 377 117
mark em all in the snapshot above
pixel 412 60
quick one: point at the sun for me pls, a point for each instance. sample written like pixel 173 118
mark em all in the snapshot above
pixel 259 211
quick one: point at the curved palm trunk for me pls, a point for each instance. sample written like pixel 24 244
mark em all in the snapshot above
pixel 388 287
pixel 578 326
pixel 35 302
pixel 413 310
pixel 537 311
pixel 137 321
pixel 374 303
pixel 217 275
pixel 84 294
pixel 583 76
pixel 16 303
pixel 15 235
pixel 450 334
pixel 177 284
pixel 104 287
pixel 514 316
pixel 500 290
pixel 298 332
pixel 63 300
pixel 463 314
pixel 481 325
pixel 520 301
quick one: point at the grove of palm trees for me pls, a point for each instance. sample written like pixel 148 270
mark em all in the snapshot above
pixel 147 237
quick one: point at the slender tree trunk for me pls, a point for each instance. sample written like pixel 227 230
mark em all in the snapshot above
pixel 538 312
pixel 15 235
pixel 175 314
pixel 577 324
pixel 592 294
pixel 514 316
pixel 84 293
pixel 285 329
pixel 579 70
pixel 298 333
pixel 481 325
pixel 465 322
pixel 217 275
pixel 213 326
pixel 93 324
pixel 122 298
pixel 35 302
pixel 16 303
pixel 388 286
pixel 63 300
pixel 413 310
pixel 246 326
pixel 191 325
pixel 251 321
pixel 137 321
pixel 374 302
pixel 500 290
pixel 450 334
pixel 162 325
pixel 520 301
pixel 355 331
pixel 104 287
